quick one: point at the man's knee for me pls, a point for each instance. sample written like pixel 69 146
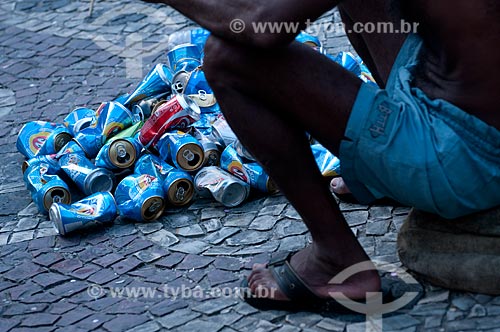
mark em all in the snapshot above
pixel 221 60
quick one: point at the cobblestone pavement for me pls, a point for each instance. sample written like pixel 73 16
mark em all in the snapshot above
pixel 54 58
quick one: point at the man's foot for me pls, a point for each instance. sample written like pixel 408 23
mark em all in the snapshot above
pixel 338 186
pixel 316 269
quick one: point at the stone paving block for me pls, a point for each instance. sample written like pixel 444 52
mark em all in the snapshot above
pixel 108 260
pixel 23 271
pixel 228 263
pixel 400 322
pixel 239 220
pixel 163 238
pixel 49 279
pixel 192 247
pixel 248 238
pixel 39 319
pixel 85 271
pixel 61 307
pixel 209 213
pixel 22 309
pixel 190 231
pixel 26 223
pixel 263 222
pixel 194 262
pixel 123 241
pixel 292 243
pixel 127 306
pixel 146 327
pixel 126 265
pixel 180 220
pixel 356 218
pixel 93 321
pixel 9 323
pixel 69 288
pixel 94 252
pixel 135 246
pixel 213 306
pixel 151 254
pixel 67 265
pixel 273 210
pixel 219 236
pixel 221 251
pixel 149 227
pixel 22 236
pixel 124 322
pixel 211 225
pixel 303 319
pixel 103 276
pixel 177 318
pixel 171 260
pixel 268 247
pixel 168 306
pixel 377 227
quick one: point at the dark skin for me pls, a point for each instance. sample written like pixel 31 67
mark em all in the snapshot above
pixel 272 89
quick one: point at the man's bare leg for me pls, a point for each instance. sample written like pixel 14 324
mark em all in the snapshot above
pixel 271 98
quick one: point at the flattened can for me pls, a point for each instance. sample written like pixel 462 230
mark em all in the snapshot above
pixel 178 187
pixel 118 153
pixel 111 118
pixel 210 150
pixel 177 113
pixel 222 132
pixel 222 186
pixel 329 165
pixel 46 189
pixel 99 208
pixel 79 119
pixel 140 197
pixel 184 57
pixel 144 108
pixel 157 81
pixel 41 137
pixel 182 150
pixel 251 172
pixel 242 151
pixel 71 147
pixel 152 165
pixel 88 178
pixel 50 161
pixel 197 88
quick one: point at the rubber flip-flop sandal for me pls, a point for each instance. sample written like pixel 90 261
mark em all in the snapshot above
pixel 302 298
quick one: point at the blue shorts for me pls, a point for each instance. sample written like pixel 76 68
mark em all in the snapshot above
pixel 424 153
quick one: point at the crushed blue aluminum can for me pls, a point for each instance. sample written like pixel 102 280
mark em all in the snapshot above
pixel 182 150
pixel 41 138
pixel 99 208
pixel 140 197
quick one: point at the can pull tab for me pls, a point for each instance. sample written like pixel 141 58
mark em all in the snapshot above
pixel 56 199
pixel 180 194
pixel 121 151
pixel 154 207
pixel 188 155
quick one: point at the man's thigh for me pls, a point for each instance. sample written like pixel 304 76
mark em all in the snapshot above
pixel 295 82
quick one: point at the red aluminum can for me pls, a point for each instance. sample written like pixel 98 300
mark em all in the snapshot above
pixel 177 113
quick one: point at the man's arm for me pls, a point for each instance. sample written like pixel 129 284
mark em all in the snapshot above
pixel 217 15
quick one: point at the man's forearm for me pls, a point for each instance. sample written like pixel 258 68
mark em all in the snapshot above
pixel 217 15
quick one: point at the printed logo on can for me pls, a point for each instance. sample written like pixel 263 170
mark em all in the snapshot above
pixel 86 209
pixel 237 170
pixel 38 140
pixel 145 181
pixel 112 128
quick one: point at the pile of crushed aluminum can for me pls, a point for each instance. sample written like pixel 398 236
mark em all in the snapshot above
pixel 160 145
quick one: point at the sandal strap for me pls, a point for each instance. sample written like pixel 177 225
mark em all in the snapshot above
pixel 288 280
